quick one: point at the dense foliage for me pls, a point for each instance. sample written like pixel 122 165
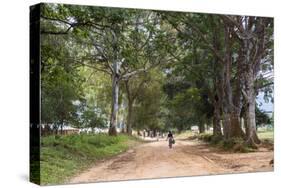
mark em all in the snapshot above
pixel 138 69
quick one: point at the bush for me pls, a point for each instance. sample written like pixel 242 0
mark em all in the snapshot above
pixel 206 137
pixel 233 144
pixel 216 139
pixel 230 143
pixel 63 156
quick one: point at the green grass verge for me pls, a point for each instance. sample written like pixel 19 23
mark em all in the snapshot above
pixel 267 138
pixel 63 156
pixel 266 134
pixel 233 144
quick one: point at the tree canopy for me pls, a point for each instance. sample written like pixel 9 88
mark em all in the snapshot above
pixel 155 70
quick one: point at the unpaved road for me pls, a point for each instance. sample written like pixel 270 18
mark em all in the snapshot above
pixel 187 158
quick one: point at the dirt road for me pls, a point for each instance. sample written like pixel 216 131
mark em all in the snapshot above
pixel 187 158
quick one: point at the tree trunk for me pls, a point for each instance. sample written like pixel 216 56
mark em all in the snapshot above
pixel 218 84
pixel 252 138
pixel 154 133
pixel 216 118
pixel 61 128
pixel 201 128
pixel 227 100
pixel 115 83
pixel 114 106
pixel 235 126
pixel 216 126
pixel 249 93
pixel 129 117
pixel 236 129
pixel 246 126
pixel 56 129
pixel 231 121
pixel 226 126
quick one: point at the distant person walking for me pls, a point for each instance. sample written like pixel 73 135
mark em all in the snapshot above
pixel 170 139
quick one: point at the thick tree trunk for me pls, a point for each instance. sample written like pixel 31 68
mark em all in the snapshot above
pixel 216 127
pixel 235 126
pixel 114 108
pixel 249 93
pixel 236 129
pixel 252 138
pixel 218 85
pixel 231 114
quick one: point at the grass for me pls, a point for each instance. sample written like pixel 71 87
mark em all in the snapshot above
pixel 233 144
pixel 186 135
pixel 266 134
pixel 63 156
pixel 267 138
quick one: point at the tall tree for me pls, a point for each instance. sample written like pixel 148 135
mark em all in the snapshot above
pixel 255 35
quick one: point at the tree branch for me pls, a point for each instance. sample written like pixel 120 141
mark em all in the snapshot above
pixel 202 36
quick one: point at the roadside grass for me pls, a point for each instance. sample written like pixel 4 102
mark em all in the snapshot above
pixel 234 144
pixel 186 135
pixel 231 145
pixel 63 156
pixel 267 138
pixel 266 134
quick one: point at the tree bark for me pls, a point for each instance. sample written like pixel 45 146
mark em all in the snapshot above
pixel 232 116
pixel 129 117
pixel 130 108
pixel 216 121
pixel 246 125
pixel 114 107
pixel 236 129
pixel 115 84
pixel 235 126
pixel 252 138
pixel 201 127
pixel 250 94
pixel 217 81
pixel 226 126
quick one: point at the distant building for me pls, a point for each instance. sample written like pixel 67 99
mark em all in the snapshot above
pixel 47 129
pixel 66 130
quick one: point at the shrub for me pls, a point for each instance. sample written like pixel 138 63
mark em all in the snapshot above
pixel 206 137
pixel 62 156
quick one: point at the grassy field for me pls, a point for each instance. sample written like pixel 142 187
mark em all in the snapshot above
pixel 266 134
pixel 64 156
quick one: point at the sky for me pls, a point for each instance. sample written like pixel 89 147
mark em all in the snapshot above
pixel 268 107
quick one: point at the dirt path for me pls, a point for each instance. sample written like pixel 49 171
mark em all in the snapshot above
pixel 187 158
